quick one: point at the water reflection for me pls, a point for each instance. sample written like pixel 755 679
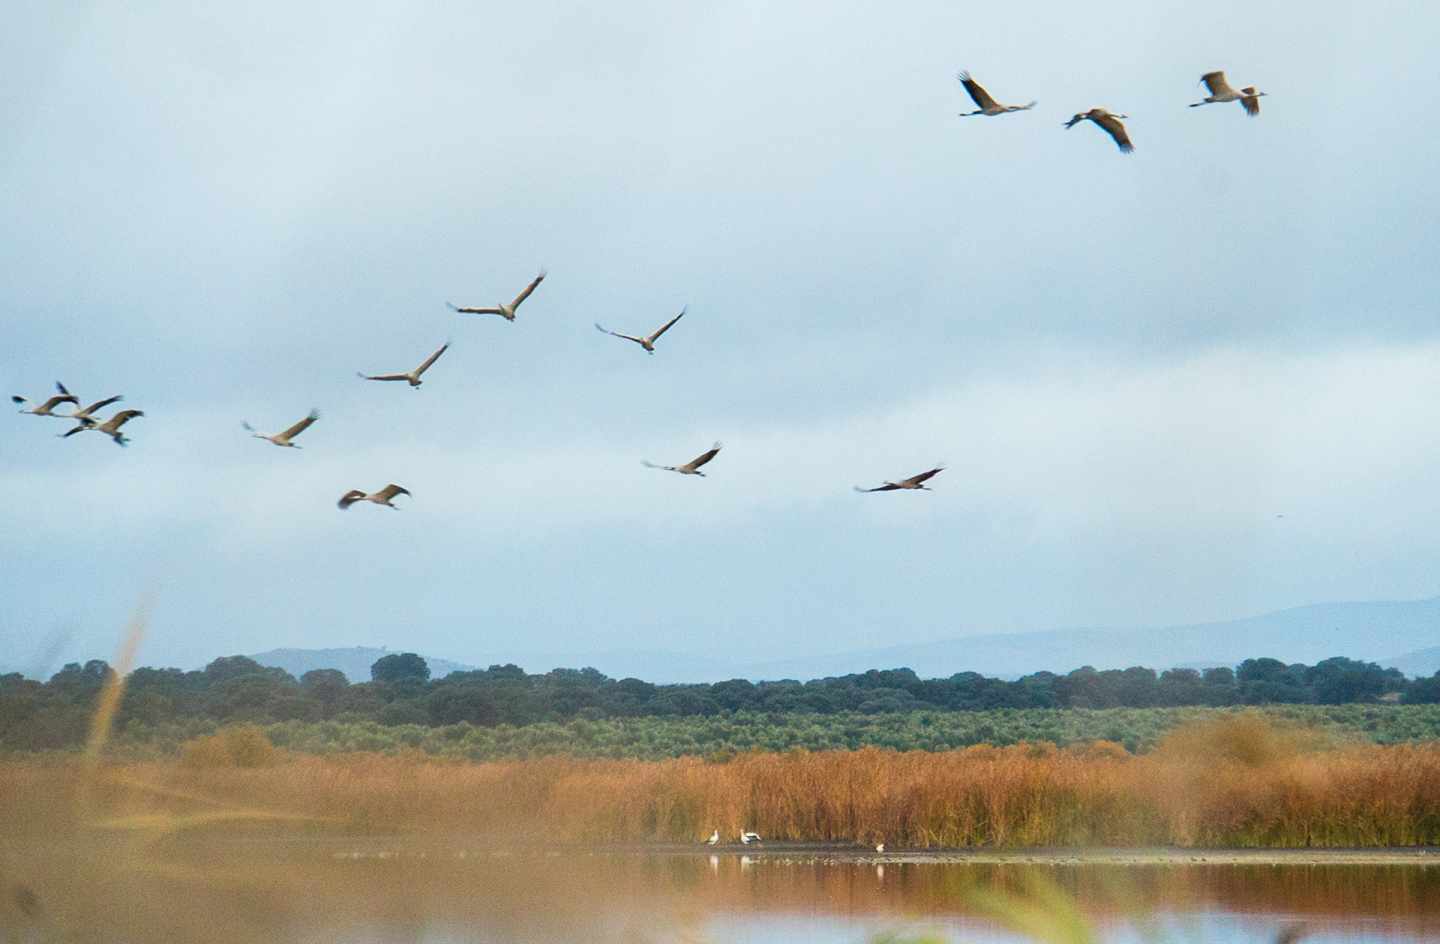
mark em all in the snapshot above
pixel 380 891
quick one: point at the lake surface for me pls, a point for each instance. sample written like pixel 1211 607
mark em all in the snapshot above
pixel 119 888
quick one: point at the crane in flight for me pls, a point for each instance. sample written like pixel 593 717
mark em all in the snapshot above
pixel 647 342
pixel 48 407
pixel 411 377
pixel 503 310
pixel 283 438
pixel 382 497
pixel 690 468
pixel 984 104
pixel 1109 123
pixel 110 427
pixel 914 481
pixel 1221 92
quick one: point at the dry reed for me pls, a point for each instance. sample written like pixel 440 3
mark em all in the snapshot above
pixel 1237 782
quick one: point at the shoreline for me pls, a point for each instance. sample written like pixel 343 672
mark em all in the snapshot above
pixel 810 853
pixel 823 853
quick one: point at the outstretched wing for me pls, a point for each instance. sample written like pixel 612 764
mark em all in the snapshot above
pixel 123 417
pixel 924 476
pixel 1116 130
pixel 601 328
pixel 61 387
pixel 887 487
pixel 978 95
pixel 382 376
pixel 56 400
pixel 350 498
pixel 100 404
pixel 390 491
pixel 528 289
pixel 432 359
pixel 1251 102
pixel 666 326
pixel 1215 82
pixel 299 427
pixel 703 458
pixel 476 311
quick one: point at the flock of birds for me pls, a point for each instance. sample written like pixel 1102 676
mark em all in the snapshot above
pixel 87 420
pixel 84 419
pixel 1221 92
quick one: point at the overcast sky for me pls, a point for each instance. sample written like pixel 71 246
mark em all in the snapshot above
pixel 1130 364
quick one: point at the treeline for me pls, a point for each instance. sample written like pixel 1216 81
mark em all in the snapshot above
pixel 55 713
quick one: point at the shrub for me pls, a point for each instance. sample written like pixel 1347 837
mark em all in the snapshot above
pixel 243 745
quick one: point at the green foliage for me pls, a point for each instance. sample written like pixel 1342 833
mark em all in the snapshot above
pixel 733 734
pixel 404 667
pixel 509 712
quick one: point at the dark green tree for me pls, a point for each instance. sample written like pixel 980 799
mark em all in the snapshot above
pixel 402 667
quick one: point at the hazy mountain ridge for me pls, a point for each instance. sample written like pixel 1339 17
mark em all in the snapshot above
pixel 1369 631
pixel 1373 631
pixel 1420 664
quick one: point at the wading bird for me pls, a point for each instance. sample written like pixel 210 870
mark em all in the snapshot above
pixel 984 104
pixel 283 439
pixel 690 468
pixel 110 427
pixel 748 837
pixel 1109 123
pixel 1221 92
pixel 647 342
pixel 503 310
pixel 47 408
pixel 714 838
pixel 914 481
pixel 879 847
pixel 381 497
pixel 413 377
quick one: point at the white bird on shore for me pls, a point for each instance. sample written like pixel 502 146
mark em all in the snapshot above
pixel 984 104
pixel 1221 92
pixel 714 838
pixel 647 342
pixel 411 377
pixel 748 837
pixel 503 310
pixel 283 438
pixel 1109 123
pixel 914 481
pixel 880 847
pixel 690 468
pixel 381 497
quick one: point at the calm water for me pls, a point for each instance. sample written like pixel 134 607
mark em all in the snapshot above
pixel 117 890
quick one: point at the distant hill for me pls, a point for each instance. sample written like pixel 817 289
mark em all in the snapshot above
pixel 617 663
pixel 1422 663
pixel 1370 631
pixel 354 662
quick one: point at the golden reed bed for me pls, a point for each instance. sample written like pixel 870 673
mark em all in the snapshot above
pixel 1235 782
